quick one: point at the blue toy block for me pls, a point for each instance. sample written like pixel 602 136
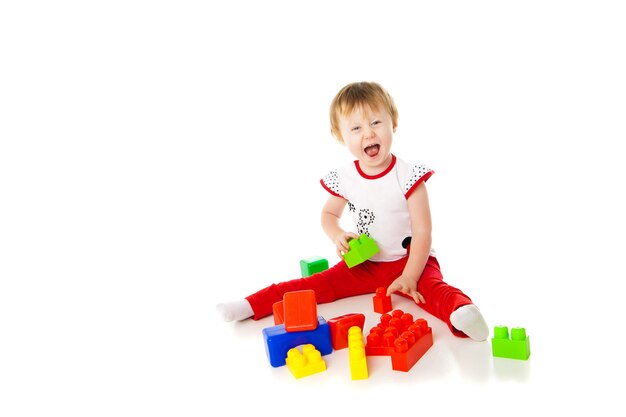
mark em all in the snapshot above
pixel 278 341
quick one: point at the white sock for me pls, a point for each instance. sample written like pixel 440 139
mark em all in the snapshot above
pixel 468 319
pixel 235 310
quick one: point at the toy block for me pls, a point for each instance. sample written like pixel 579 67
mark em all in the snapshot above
pixel 339 328
pixel 279 312
pixel 515 347
pixel 356 354
pixel 312 266
pixel 401 338
pixel 307 363
pixel 361 250
pixel 380 340
pixel 411 346
pixel 278 341
pixel 382 301
pixel 300 310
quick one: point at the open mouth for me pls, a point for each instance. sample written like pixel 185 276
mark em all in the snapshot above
pixel 372 150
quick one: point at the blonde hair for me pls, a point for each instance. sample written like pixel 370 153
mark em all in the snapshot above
pixel 360 95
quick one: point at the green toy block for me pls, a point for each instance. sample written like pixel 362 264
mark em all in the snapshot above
pixel 361 250
pixel 312 266
pixel 517 347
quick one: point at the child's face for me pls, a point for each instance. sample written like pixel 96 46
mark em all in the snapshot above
pixel 368 134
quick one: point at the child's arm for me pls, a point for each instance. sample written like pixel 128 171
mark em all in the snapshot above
pixel 331 214
pixel 421 239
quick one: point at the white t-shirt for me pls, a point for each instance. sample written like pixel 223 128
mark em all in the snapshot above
pixel 378 203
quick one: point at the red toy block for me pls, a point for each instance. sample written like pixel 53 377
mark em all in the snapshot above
pixel 300 309
pixel 382 301
pixel 279 312
pixel 339 327
pixel 411 346
pixel 401 338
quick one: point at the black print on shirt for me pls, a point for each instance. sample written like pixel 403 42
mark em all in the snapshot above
pixel 366 217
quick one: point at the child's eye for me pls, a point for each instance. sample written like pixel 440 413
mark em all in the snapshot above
pixel 376 122
pixel 355 128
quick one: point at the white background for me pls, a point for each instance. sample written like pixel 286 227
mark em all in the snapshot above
pixel 159 157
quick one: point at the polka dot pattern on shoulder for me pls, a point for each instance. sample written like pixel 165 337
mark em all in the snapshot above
pixel 331 180
pixel 416 174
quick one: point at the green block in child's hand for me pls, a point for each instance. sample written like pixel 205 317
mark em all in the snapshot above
pixel 361 250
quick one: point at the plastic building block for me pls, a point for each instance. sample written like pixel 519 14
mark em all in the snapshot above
pixel 278 341
pixel 398 336
pixel 382 301
pixel 339 327
pixel 307 363
pixel 356 354
pixel 406 353
pixel 516 347
pixel 312 266
pixel 300 310
pixel 361 250
pixel 279 312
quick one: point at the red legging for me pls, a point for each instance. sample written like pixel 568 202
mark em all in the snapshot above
pixel 341 281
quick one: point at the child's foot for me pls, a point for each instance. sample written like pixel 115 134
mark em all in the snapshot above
pixel 468 319
pixel 235 310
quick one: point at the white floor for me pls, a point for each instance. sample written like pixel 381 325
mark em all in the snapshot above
pixel 159 157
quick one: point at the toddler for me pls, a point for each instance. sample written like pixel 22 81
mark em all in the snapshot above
pixel 387 199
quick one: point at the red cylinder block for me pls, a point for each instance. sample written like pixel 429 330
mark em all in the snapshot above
pixel 401 345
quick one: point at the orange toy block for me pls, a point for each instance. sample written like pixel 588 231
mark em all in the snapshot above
pixel 279 312
pixel 340 326
pixel 300 311
pixel 382 301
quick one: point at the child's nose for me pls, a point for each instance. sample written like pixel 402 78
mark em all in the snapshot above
pixel 369 133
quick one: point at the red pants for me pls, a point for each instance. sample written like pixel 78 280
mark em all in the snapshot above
pixel 341 281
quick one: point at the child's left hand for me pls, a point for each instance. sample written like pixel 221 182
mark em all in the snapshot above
pixel 406 285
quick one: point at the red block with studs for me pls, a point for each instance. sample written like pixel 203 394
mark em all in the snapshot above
pixel 382 301
pixel 401 338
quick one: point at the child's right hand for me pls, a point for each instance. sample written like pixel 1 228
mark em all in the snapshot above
pixel 341 242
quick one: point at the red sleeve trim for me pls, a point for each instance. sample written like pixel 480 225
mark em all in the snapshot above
pixel 331 191
pixel 424 178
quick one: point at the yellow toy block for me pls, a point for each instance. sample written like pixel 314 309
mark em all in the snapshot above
pixel 307 363
pixel 356 352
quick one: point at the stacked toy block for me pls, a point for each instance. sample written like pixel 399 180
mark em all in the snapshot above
pixel 356 354
pixel 361 250
pixel 515 347
pixel 305 363
pixel 298 325
pixel 297 310
pixel 278 309
pixel 300 311
pixel 400 337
